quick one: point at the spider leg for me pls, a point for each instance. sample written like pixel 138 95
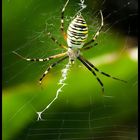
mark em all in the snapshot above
pixel 97 33
pixel 50 67
pixel 40 59
pixel 96 69
pixel 62 20
pixel 56 41
pixel 88 47
pixel 90 69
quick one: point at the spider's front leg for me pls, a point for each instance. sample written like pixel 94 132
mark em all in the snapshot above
pixel 40 59
pixel 85 47
pixel 62 20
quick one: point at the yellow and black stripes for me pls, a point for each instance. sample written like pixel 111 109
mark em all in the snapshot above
pixel 77 32
pixel 76 36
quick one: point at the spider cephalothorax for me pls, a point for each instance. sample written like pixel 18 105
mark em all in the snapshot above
pixel 76 36
pixel 73 54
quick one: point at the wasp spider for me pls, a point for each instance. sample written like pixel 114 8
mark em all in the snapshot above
pixel 76 36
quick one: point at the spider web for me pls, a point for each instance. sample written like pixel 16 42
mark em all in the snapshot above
pixel 35 45
pixel 91 122
pixel 86 124
pixel 67 120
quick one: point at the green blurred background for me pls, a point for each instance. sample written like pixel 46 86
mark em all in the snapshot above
pixel 81 111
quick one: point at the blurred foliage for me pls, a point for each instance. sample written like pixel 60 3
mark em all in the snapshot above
pixel 23 97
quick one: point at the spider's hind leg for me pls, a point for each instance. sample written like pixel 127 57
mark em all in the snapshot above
pixel 50 67
pixel 90 69
pixel 103 73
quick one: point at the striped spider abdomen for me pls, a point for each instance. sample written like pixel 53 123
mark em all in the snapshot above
pixel 77 32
